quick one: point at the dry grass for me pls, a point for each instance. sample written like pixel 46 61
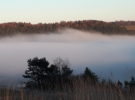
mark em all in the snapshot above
pixel 80 91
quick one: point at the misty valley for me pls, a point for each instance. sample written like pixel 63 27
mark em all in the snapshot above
pixel 109 56
pixel 67 50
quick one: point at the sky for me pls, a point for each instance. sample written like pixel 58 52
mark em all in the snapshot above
pixel 37 11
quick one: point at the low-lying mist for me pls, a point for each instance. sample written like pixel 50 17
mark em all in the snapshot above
pixel 67 35
pixel 110 56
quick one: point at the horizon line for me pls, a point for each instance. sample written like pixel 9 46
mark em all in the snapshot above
pixel 65 21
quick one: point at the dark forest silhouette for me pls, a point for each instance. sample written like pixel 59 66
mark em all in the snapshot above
pixel 42 75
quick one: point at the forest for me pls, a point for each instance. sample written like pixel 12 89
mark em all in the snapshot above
pixel 42 75
pixel 109 28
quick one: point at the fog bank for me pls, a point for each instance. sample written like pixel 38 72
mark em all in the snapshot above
pixel 67 35
pixel 109 56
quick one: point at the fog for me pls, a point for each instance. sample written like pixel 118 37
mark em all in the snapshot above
pixel 110 56
pixel 67 35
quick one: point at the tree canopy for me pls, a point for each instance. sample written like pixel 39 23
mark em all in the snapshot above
pixel 41 74
pixel 84 25
pixel 90 75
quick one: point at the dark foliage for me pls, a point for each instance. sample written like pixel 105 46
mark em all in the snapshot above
pixel 130 84
pixel 88 74
pixel 41 75
pixel 38 69
pixel 44 76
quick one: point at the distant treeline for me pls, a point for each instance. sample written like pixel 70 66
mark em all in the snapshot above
pixel 118 27
pixel 125 23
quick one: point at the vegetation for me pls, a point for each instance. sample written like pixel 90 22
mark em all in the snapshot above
pixel 82 91
pixel 56 82
pixel 91 75
pixel 119 27
pixel 43 76
pixel 130 84
pixel 129 25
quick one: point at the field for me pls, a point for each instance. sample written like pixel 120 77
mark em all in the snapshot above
pixel 80 91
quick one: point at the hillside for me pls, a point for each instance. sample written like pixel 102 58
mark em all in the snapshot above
pixel 119 27
pixel 129 25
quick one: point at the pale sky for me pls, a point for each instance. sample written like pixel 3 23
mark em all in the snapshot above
pixel 36 11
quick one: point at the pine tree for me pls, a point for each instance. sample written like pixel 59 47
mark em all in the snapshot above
pixel 89 74
pixel 42 76
pixel 36 72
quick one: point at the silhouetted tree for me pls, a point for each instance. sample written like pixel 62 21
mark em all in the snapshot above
pixel 126 84
pixel 88 74
pixel 130 84
pixel 64 67
pixel 64 72
pixel 42 76
pixel 37 72
pixel 119 84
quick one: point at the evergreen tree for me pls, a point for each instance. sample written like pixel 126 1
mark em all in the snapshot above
pixel 89 74
pixel 42 76
pixel 36 72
